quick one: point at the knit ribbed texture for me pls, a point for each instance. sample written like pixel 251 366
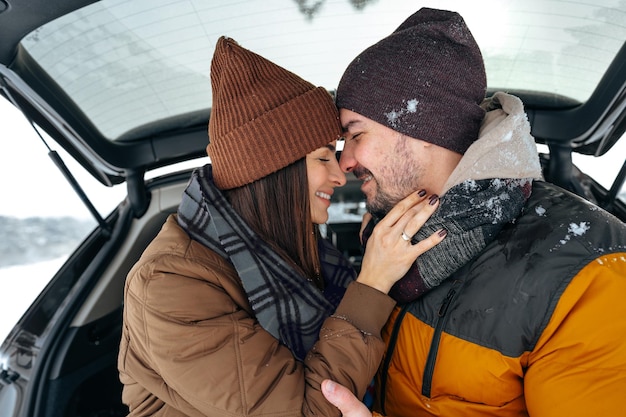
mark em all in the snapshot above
pixel 425 80
pixel 263 118
pixel 473 213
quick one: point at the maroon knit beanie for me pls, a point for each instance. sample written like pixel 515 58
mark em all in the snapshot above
pixel 263 117
pixel 426 80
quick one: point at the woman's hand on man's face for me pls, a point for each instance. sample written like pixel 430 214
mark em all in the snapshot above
pixel 390 251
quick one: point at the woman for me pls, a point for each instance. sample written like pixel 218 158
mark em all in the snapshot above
pixel 237 307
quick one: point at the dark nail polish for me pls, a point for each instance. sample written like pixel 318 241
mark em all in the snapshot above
pixel 433 199
pixel 442 232
pixel 421 193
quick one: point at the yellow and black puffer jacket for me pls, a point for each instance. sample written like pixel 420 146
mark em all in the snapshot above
pixel 535 325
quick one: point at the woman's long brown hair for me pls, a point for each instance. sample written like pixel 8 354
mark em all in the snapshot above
pixel 277 208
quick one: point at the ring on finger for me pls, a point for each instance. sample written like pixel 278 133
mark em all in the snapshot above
pixel 405 237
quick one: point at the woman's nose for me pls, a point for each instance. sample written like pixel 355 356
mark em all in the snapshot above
pixel 337 175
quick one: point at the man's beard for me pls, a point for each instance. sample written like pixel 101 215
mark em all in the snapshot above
pixel 403 184
pixel 381 204
pixel 398 177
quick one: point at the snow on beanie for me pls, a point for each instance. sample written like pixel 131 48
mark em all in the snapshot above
pixel 426 80
pixel 263 117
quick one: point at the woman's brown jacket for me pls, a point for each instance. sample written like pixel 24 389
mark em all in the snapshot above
pixel 191 345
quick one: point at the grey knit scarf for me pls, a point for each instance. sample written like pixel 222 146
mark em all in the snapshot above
pixel 472 212
pixel 286 304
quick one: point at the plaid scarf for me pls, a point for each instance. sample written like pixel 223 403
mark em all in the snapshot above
pixel 286 304
pixel 472 212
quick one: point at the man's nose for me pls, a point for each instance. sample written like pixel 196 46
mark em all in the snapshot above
pixel 346 160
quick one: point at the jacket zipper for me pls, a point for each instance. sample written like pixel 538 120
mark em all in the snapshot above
pixel 442 319
pixel 393 338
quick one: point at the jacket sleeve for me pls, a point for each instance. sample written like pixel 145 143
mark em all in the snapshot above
pixel 578 367
pixel 196 346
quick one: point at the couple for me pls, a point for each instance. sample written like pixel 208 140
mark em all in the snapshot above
pixel 476 303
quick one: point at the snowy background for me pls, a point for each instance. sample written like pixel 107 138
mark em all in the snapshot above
pixel 25 281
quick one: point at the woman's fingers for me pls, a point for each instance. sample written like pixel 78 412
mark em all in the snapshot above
pixel 431 241
pixel 413 220
pixel 390 253
pixel 412 201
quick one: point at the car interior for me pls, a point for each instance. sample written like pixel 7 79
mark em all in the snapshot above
pixel 66 345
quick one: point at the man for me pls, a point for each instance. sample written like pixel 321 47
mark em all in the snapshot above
pixel 520 310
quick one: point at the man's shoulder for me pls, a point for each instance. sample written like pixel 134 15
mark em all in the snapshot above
pixel 560 216
pixel 547 196
pixel 523 272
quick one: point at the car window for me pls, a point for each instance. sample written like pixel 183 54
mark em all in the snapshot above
pixel 604 169
pixel 127 64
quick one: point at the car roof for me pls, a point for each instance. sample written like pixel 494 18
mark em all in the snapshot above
pixel 125 86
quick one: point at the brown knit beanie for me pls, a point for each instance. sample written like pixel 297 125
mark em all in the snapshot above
pixel 426 80
pixel 263 117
